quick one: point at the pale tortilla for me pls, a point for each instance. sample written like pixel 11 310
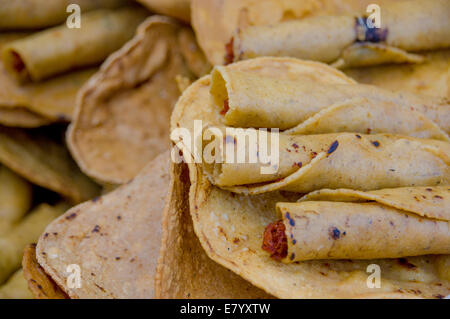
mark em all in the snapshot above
pixel 122 115
pixel 118 256
pixel 214 21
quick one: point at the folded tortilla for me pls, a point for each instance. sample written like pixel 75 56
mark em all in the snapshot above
pixel 26 232
pixel 122 116
pixel 39 283
pixel 45 162
pixel 180 9
pixel 249 99
pixel 119 255
pixel 60 49
pixel 36 14
pixel 214 21
pixel 432 77
pixel 230 225
pixel 310 162
pixel 399 222
pixel 405 26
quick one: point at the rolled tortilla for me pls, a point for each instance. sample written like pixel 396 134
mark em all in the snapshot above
pixel 404 222
pixel 254 100
pixel 405 26
pixel 16 287
pixel 28 231
pixel 305 163
pixel 60 49
pixel 35 14
pixel 15 198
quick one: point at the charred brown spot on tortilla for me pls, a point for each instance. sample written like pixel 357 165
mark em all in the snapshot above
pixel 334 233
pixel 229 55
pixel 71 216
pixel 333 147
pixel 17 62
pixel 96 229
pixel 437 197
pixel 366 33
pixel 290 219
pixel 230 139
pixel 405 263
pixel 298 164
pixel 375 143
pixel 275 240
pixel 226 107
pixel 358 136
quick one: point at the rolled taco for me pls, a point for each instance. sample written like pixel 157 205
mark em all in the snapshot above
pixel 388 223
pixel 230 225
pixel 253 99
pixel 103 32
pixel 349 41
pixel 311 162
pixel 36 14
pixel 214 21
pixel 37 104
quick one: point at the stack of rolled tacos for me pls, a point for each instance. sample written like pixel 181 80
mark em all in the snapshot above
pixel 360 176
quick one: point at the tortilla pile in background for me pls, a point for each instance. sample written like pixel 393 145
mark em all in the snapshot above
pixel 122 115
pixel 41 72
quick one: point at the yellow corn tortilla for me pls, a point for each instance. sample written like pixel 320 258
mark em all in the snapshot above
pixel 122 115
pixel 432 77
pixel 230 226
pixel 36 14
pixel 39 283
pixel 411 25
pixel 24 233
pixel 346 160
pixel 37 104
pixel 416 224
pixel 15 198
pixel 173 8
pixel 16 287
pixel 214 21
pixel 44 162
pixel 275 101
pixel 359 114
pixel 60 49
pixel 182 257
pixel 116 241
